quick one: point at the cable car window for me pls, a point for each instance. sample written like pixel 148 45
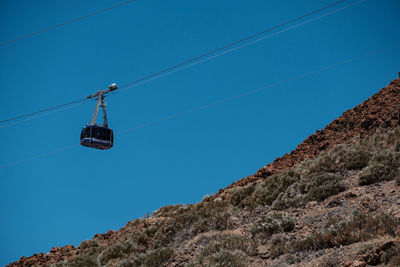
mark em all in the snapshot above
pixel 106 134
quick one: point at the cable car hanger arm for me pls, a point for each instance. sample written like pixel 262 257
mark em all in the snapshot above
pixel 111 87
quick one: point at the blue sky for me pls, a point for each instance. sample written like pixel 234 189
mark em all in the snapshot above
pixel 69 196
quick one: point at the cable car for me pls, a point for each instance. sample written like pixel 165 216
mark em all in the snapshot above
pixel 96 135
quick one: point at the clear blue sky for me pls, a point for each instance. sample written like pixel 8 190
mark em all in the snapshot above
pixel 67 197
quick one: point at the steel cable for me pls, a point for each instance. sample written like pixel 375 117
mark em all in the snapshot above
pixel 64 23
pixel 206 56
pixel 225 100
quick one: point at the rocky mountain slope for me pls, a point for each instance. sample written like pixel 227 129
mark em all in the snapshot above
pixel 333 201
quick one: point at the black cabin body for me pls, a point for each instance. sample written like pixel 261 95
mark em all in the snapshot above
pixel 97 136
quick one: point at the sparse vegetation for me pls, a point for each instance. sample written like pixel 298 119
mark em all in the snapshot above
pixel 242 196
pixel 391 256
pixel 224 250
pixel 371 160
pixel 360 227
pixel 267 191
pixel 277 246
pixel 330 261
pixel 272 223
pixel 320 186
pixel 117 250
pixel 154 258
pixel 382 167
pixel 87 258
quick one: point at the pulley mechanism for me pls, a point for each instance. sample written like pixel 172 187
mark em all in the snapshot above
pixel 98 135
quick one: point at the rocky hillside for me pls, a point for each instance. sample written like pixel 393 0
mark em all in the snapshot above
pixel 333 201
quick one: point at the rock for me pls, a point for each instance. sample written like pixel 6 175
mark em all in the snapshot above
pixel 359 263
pixel 334 203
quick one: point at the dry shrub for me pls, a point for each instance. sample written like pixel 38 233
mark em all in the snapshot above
pixel 277 246
pixel 314 186
pixel 272 223
pixel 169 211
pixel 242 196
pixel 360 227
pixel 391 256
pixel 154 258
pixel 267 191
pixel 87 258
pixel 221 258
pixel 224 250
pixel 320 186
pixel 117 250
pixel 202 217
pixel 330 261
pixel 157 257
pixel 344 156
pixel 382 167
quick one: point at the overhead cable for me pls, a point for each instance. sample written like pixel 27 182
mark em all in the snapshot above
pixel 42 114
pixel 233 43
pixel 183 66
pixel 43 110
pixel 212 54
pixel 225 100
pixel 64 23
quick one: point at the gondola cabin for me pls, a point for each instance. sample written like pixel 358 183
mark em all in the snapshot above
pixel 97 136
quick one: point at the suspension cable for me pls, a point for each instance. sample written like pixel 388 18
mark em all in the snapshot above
pixel 43 110
pixel 41 115
pixel 64 23
pixel 234 43
pixel 225 100
pixel 209 55
pixel 223 52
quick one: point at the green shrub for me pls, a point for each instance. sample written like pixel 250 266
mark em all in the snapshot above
pixel 154 258
pixel 277 246
pixel 357 159
pixel 311 187
pixel 323 185
pixel 267 191
pixel 382 167
pixel 324 163
pixel 202 217
pixel 87 258
pixel 217 221
pixel 229 242
pixel 344 156
pixel 272 223
pixel 360 227
pixel 168 211
pixel 158 257
pixel 166 233
pixel 242 196
pixel 224 250
pixel 391 256
pixel 330 261
pixel 117 250
pixel 223 258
